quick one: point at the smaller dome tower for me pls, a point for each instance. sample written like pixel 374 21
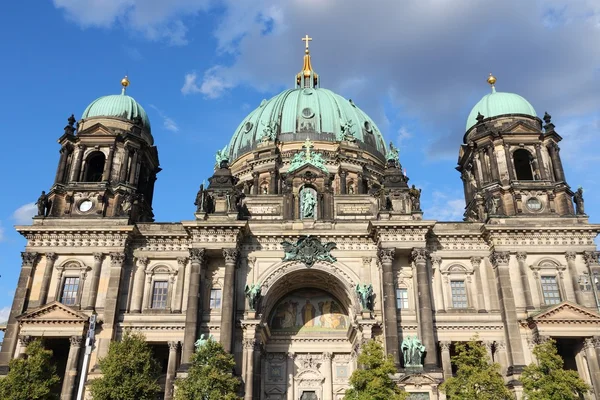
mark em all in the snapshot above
pixel 509 161
pixel 108 163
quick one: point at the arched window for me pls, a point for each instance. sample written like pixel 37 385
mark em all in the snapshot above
pixel 522 160
pixel 94 167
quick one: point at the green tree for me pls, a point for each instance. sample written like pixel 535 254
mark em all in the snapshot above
pixel 129 371
pixel 373 380
pixel 210 376
pixel 476 377
pixel 31 378
pixel 547 380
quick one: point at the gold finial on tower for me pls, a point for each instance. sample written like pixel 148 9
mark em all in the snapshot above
pixel 492 81
pixel 124 82
pixel 307 77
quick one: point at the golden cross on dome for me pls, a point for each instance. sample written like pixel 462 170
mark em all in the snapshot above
pixel 306 39
pixel 308 145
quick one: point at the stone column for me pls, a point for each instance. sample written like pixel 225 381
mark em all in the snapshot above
pixel 24 341
pixel 133 168
pixel 124 165
pixel 502 356
pixel 137 294
pixel 516 359
pixel 389 303
pixel 493 163
pixel 193 305
pixel 328 384
pixel 108 165
pixel 509 163
pixel 171 369
pixel 554 151
pixel 71 369
pixel 273 182
pixel 91 304
pixel 436 262
pixel 540 161
pixel 571 256
pixel 62 163
pixel 488 347
pixel 446 361
pixel 521 258
pixel 343 184
pixel 249 344
pixel 589 347
pixel 177 302
pixel 111 303
pixel 226 333
pixel 476 263
pixel 419 257
pixel 77 169
pixel 290 367
pixel 255 182
pixel 18 306
pixel 50 260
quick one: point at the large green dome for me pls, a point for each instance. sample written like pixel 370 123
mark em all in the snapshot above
pixel 117 106
pixel 309 112
pixel 499 103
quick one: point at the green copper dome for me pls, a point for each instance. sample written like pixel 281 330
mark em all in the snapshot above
pixel 499 103
pixel 307 112
pixel 118 106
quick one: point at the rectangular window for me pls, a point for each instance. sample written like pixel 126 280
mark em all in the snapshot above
pixel 550 290
pixel 401 299
pixel 159 294
pixel 459 294
pixel 215 298
pixel 69 291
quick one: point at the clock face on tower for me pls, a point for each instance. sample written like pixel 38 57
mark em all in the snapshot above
pixel 85 205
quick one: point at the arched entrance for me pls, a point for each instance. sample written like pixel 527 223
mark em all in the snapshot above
pixel 309 332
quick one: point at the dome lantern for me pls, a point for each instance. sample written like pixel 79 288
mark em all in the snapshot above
pixel 307 78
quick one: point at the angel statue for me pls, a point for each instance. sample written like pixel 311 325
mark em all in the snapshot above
pixel 393 154
pixel 365 295
pixel 253 294
pixel 202 341
pixel 221 156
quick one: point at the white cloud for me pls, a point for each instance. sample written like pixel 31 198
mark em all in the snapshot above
pixel 168 123
pixel 444 207
pixel 24 214
pixel 4 314
pixel 214 83
pixel 403 135
pixel 190 86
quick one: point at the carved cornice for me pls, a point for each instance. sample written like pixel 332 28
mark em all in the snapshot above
pixel 81 238
pixel 343 243
pixel 528 237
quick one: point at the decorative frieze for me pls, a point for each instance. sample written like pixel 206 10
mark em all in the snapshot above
pixel 75 239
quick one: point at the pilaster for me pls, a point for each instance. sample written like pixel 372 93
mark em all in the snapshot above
pixel 111 303
pixel 171 370
pixel 197 258
pixel 97 269
pixel 49 267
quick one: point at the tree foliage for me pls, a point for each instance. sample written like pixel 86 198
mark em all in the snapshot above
pixel 31 378
pixel 476 377
pixel 547 380
pixel 129 371
pixel 210 376
pixel 373 380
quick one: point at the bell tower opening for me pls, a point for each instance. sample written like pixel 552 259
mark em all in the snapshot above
pixel 94 167
pixel 522 159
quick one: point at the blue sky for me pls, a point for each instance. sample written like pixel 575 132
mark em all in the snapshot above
pixel 199 66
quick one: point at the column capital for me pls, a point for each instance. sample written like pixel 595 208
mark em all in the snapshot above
pixel 51 257
pixel 197 255
pixel 25 339
pixel 142 261
pixel 327 356
pixel 521 256
pixel 230 255
pixel 76 341
pixel 436 261
pixel 387 255
pixel 29 258
pixel 173 346
pixel 291 355
pixel 419 255
pixel 367 261
pixel 591 257
pixel 445 345
pixel 98 256
pixel 499 258
pixel 249 343
pixel 476 261
pixel 182 261
pixel 117 259
pixel 588 344
pixel 570 256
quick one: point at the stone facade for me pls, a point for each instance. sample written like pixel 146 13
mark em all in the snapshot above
pixel 515 272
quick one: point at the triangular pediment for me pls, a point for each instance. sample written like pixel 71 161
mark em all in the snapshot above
pixel 566 312
pixel 53 312
pixel 96 129
pixel 521 127
pixel 308 167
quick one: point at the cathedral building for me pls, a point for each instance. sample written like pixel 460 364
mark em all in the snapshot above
pixel 307 242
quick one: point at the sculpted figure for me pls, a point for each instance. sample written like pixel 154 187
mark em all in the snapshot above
pixel 308 204
pixel 126 204
pixel 415 197
pixel 253 294
pixel 412 350
pixel 365 295
pixel 202 341
pixel 578 198
pixel 200 197
pixel 43 205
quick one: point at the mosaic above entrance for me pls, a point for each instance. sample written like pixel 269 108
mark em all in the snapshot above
pixel 308 311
